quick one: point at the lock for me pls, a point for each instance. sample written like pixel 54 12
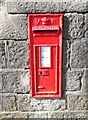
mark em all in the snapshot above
pixel 45 36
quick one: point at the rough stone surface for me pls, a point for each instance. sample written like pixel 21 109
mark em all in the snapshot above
pixel 47 104
pixel 15 81
pixel 24 115
pixel 13 115
pixel 37 115
pixel 9 102
pixel 18 54
pixel 86 25
pixel 73 26
pixel 73 80
pixel 66 54
pixel 1 99
pixel 85 82
pixel 23 102
pixel 13 26
pixel 79 54
pixel 2 55
pixel 62 115
pixel 46 6
pixel 77 101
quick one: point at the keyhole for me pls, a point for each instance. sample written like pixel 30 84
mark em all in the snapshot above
pixel 41 73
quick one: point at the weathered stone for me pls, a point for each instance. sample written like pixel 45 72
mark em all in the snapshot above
pixel 38 115
pixel 73 80
pixel 1 99
pixel 86 34
pixel 18 55
pixel 9 102
pixel 86 25
pixel 47 6
pixel 2 55
pixel 84 82
pixel 66 54
pixel 73 26
pixel 47 105
pixel 13 115
pixel 79 54
pixel 15 81
pixel 23 102
pixel 13 26
pixel 67 115
pixel 77 101
pixel 24 115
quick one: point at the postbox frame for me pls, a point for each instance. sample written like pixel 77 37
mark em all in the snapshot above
pixel 32 57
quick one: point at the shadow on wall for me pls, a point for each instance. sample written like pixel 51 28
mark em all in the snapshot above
pixel 66 53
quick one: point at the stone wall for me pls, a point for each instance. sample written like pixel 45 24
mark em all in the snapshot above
pixel 15 89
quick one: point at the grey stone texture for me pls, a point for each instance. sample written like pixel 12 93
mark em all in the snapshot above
pixel 15 81
pixel 73 26
pixel 77 101
pixel 24 115
pixel 38 115
pixel 1 99
pixel 84 81
pixel 47 104
pixel 18 54
pixel 86 25
pixel 66 54
pixel 23 102
pixel 46 6
pixel 51 115
pixel 13 26
pixel 3 59
pixel 66 115
pixel 73 80
pixel 79 54
pixel 11 115
pixel 8 102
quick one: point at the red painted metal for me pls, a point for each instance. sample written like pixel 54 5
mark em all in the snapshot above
pixel 45 35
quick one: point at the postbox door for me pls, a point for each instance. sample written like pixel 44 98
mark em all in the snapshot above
pixel 46 69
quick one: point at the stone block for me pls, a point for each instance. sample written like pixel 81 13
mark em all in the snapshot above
pixel 86 25
pixel 84 82
pixel 23 102
pixel 47 104
pixel 13 115
pixel 18 54
pixel 3 58
pixel 73 26
pixel 13 26
pixel 9 102
pixel 15 81
pixel 67 115
pixel 73 80
pixel 66 54
pixel 24 115
pixel 38 115
pixel 1 99
pixel 47 6
pixel 77 101
pixel 79 54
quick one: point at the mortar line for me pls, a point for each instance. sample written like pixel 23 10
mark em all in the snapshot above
pixel 46 12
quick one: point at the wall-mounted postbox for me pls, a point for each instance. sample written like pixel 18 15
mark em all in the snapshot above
pixel 45 35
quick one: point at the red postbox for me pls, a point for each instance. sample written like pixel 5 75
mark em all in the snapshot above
pixel 45 35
